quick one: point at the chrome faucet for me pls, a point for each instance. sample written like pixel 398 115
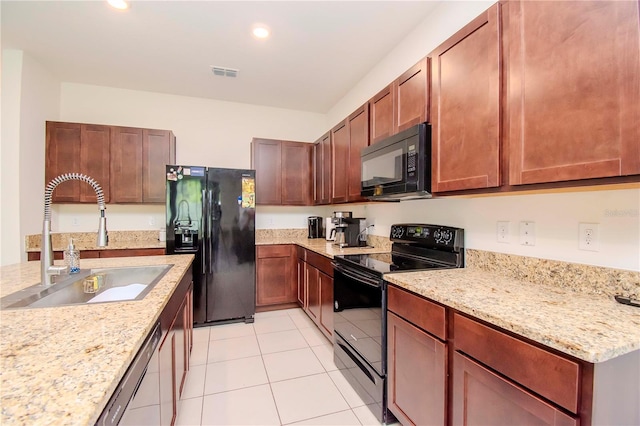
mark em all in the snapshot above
pixel 47 270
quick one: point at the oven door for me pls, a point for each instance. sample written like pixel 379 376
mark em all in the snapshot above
pixel 359 306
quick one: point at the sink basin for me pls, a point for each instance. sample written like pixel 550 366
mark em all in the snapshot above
pixel 112 285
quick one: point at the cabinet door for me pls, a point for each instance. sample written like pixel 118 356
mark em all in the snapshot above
pixel 126 161
pixel 573 90
pixel 340 162
pixel 275 283
pixel 317 172
pixel 481 397
pixel 302 285
pixel 167 367
pixel 465 114
pixel 358 125
pixel 412 96
pixel 313 292
pixel 158 150
pixel 296 173
pixel 266 160
pixel 417 370
pixel 325 284
pixel 381 111
pixel 63 156
pixel 95 147
pixel 327 168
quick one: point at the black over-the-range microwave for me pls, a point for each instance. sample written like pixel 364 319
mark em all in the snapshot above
pixel 399 167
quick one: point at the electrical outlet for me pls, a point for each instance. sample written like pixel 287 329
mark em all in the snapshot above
pixel 528 233
pixel 588 237
pixel 75 221
pixel 152 221
pixel 502 232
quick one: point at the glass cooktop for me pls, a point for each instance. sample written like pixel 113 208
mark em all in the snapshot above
pixel 384 263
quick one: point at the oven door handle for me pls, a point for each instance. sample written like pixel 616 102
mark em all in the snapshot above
pixel 359 363
pixel 355 275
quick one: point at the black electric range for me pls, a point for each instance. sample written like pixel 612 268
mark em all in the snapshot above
pixel 360 302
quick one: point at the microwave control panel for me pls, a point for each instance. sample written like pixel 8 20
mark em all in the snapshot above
pixel 412 157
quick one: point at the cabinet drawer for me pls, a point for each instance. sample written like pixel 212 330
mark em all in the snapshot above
pixel 545 373
pixel 426 315
pixel 320 262
pixel 279 250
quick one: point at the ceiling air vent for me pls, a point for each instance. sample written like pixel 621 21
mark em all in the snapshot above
pixel 224 72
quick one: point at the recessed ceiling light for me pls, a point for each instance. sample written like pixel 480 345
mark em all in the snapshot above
pixel 119 4
pixel 260 31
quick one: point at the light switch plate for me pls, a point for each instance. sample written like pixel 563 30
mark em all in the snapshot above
pixel 528 233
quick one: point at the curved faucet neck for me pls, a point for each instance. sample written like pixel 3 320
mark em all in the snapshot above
pixel 46 251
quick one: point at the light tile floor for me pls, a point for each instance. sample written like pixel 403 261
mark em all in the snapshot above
pixel 276 371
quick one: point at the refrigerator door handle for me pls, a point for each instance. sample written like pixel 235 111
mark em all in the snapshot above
pixel 204 243
pixel 210 231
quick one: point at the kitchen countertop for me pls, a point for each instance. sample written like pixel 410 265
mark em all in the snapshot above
pixel 61 365
pixel 590 327
pixel 321 246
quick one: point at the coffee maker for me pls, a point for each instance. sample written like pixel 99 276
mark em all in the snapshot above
pixel 354 232
pixel 314 223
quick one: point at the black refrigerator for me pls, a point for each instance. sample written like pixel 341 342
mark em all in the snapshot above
pixel 211 213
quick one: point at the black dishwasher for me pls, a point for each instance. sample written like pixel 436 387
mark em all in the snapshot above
pixel 136 400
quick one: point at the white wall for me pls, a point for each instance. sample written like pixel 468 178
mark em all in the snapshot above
pixel 30 96
pixel 10 157
pixel 208 132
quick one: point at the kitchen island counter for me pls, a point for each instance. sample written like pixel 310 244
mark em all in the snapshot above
pixel 61 365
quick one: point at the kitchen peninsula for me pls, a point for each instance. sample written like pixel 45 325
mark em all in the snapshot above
pixel 61 365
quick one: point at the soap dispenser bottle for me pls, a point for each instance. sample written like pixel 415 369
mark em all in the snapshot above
pixel 72 258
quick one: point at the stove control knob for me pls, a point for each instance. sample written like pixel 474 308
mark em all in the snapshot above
pixel 447 236
pixel 437 235
pixel 397 231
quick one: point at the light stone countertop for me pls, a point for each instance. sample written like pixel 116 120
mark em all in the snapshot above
pixel 118 240
pixel 60 366
pixel 590 327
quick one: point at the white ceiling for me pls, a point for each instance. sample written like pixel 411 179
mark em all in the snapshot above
pixel 318 49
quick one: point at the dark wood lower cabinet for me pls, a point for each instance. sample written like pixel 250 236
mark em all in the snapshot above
pixel 175 348
pixel 313 292
pixel 325 284
pixel 276 275
pixel 482 397
pixel 417 374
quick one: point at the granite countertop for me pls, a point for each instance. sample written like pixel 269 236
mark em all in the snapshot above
pixel 594 328
pixel 321 246
pixel 61 365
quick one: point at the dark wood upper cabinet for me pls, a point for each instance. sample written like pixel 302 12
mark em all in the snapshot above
pixel 411 92
pixel 158 150
pixel 573 90
pixel 358 127
pixel 381 110
pixel 266 157
pixel 322 170
pixel 77 148
pixel 465 108
pixel 283 172
pixel 340 162
pixel 296 173
pixel 126 161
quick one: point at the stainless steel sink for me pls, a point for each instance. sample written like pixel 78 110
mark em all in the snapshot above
pixel 111 285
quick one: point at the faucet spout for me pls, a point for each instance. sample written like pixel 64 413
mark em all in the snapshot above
pixel 46 251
